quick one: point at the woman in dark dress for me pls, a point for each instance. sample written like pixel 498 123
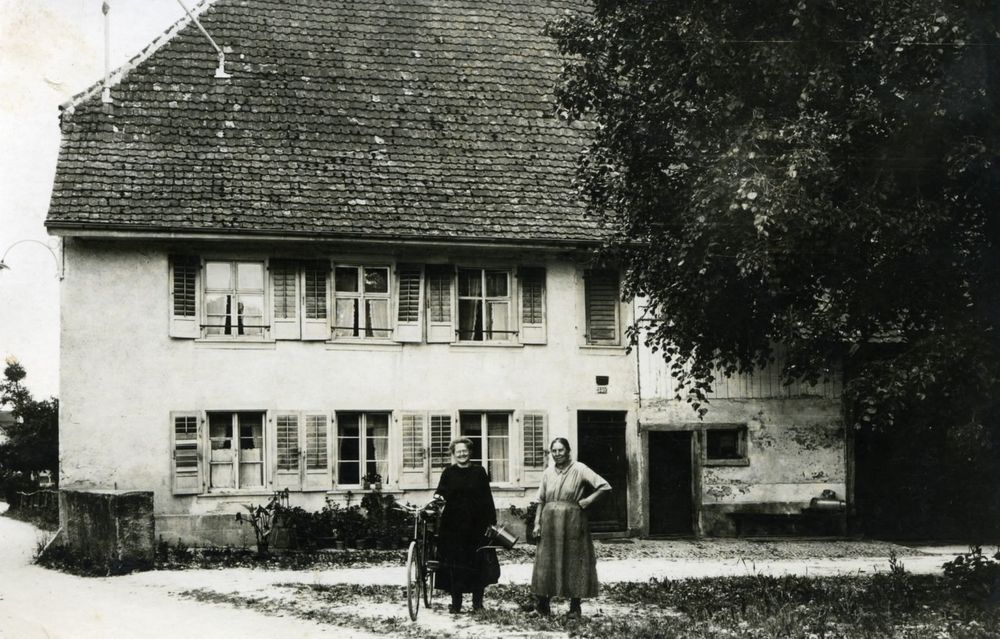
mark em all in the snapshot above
pixel 468 512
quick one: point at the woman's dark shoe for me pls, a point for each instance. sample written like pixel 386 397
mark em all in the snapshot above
pixel 575 612
pixel 542 607
pixel 454 609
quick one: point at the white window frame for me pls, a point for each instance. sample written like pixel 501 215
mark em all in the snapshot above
pixel 362 460
pixel 235 291
pixel 236 447
pixel 361 296
pixel 483 303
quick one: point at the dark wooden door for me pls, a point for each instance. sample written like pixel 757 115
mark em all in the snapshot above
pixel 601 445
pixel 671 505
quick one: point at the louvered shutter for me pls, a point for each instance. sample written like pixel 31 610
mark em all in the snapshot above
pixel 413 436
pixel 286 316
pixel 440 438
pixel 288 452
pixel 184 287
pixel 409 283
pixel 186 464
pixel 316 437
pixel 531 284
pixel 316 300
pixel 602 305
pixel 440 313
pixel 534 445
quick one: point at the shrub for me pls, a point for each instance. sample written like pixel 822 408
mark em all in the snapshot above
pixel 975 575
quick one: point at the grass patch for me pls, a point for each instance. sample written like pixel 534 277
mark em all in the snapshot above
pixel 757 606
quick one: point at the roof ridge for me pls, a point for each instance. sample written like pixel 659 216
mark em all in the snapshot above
pixel 119 74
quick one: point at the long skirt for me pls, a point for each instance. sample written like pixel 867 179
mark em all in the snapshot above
pixel 565 564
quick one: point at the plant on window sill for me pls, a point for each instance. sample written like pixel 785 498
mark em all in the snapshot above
pixel 264 518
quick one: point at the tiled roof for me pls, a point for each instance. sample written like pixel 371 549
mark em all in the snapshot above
pixel 376 118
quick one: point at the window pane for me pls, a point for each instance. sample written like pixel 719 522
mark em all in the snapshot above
pixel 470 283
pixel 315 294
pixel 497 323
pixel 251 433
pixel 220 430
pixel 723 444
pixel 377 318
pixel 498 444
pixel 377 445
pixel 220 433
pixel 346 279
pixel 376 280
pixel 250 276
pixel 471 426
pixel 250 315
pixel 217 316
pixel 349 448
pixel 532 287
pixel 497 284
pixel 470 320
pixel 347 318
pixel 218 275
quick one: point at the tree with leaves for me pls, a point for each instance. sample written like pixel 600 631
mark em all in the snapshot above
pixel 30 445
pixel 818 174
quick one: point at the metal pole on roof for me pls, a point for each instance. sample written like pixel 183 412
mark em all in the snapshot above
pixel 220 72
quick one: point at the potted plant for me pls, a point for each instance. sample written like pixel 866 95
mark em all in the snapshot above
pixel 372 481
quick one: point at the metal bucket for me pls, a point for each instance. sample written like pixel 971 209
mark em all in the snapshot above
pixel 500 536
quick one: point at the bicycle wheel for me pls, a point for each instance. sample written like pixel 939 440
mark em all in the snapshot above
pixel 414 580
pixel 428 586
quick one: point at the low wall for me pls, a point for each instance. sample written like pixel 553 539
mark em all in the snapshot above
pixel 111 528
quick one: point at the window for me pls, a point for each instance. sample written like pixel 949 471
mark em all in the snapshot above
pixel 531 284
pixel 533 441
pixel 601 302
pixel 234 299
pixel 484 305
pixel 186 431
pixel 726 446
pixel 237 450
pixel 490 435
pixel 362 302
pixel 413 441
pixel 362 447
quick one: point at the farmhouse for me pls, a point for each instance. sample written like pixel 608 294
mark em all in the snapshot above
pixel 312 261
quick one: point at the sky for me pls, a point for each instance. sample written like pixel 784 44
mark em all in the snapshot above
pixel 50 50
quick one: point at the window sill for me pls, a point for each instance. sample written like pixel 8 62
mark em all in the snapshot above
pixel 486 345
pixel 340 492
pixel 235 344
pixel 363 345
pixel 725 462
pixel 242 494
pixel 602 349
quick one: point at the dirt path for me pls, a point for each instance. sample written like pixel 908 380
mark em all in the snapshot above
pixel 36 602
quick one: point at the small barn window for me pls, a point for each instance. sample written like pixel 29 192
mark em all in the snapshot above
pixel 726 446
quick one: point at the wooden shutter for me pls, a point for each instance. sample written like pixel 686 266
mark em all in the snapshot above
pixel 316 443
pixel 409 283
pixel 440 311
pixel 285 316
pixel 184 289
pixel 288 452
pixel 440 438
pixel 601 295
pixel 531 284
pixel 414 444
pixel 316 300
pixel 186 464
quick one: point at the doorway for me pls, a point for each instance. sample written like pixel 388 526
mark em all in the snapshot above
pixel 671 501
pixel 601 445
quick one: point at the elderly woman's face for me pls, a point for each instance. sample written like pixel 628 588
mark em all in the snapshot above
pixel 461 453
pixel 558 452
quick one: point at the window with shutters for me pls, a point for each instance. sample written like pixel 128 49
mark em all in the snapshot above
pixel 484 305
pixel 408 308
pixel 288 442
pixel 601 304
pixel 361 302
pixel 533 441
pixel 185 286
pixel 286 300
pixel 316 445
pixel 299 299
pixel 490 435
pixel 234 299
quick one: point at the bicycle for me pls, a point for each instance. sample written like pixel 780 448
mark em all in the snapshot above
pixel 421 565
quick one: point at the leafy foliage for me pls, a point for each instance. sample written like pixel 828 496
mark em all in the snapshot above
pixel 818 175
pixel 30 445
pixel 976 575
